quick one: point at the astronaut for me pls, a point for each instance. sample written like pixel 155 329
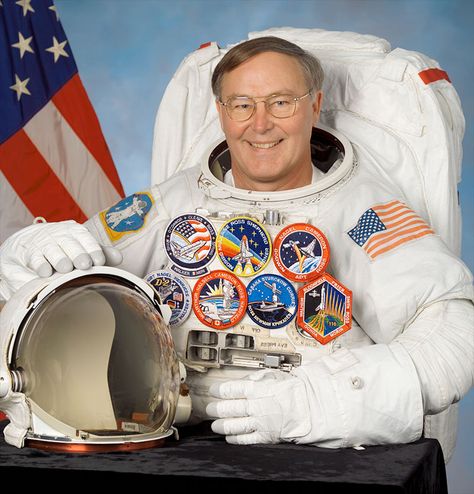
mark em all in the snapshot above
pixel 409 353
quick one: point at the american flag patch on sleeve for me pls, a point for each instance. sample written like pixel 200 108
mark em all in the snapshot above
pixel 387 226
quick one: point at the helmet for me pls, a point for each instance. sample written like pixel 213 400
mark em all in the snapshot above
pixel 87 363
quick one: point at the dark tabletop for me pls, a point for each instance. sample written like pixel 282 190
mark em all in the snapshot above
pixel 202 459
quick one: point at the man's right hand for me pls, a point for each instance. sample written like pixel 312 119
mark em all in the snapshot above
pixel 43 248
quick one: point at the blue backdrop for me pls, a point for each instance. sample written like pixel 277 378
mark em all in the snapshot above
pixel 127 51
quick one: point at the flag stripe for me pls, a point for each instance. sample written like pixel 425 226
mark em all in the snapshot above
pixel 386 235
pixel 16 214
pixel 394 215
pixel 408 217
pixel 388 211
pixel 37 185
pixel 393 235
pixel 74 104
pixel 83 177
pixel 401 241
pixel 384 207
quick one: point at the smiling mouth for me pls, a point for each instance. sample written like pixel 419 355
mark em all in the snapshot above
pixel 265 145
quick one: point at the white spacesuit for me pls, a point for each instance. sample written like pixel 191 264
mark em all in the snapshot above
pixel 410 350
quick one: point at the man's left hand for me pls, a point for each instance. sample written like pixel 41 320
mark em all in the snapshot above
pixel 270 406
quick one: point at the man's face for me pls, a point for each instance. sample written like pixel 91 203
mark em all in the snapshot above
pixel 269 153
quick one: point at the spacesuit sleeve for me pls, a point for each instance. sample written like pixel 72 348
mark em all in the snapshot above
pixel 135 226
pixel 415 302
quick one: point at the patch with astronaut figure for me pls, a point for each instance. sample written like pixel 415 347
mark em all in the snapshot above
pixel 300 252
pixel 190 244
pixel 219 299
pixel 272 301
pixel 243 246
pixel 325 308
pixel 127 216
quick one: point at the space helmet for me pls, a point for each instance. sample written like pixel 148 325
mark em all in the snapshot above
pixel 87 364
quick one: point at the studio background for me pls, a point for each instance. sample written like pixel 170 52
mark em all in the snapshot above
pixel 128 50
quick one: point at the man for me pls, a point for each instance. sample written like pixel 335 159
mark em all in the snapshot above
pixel 409 353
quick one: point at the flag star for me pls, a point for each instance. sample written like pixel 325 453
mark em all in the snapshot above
pixel 25 4
pixel 20 87
pixel 53 8
pixel 23 45
pixel 57 49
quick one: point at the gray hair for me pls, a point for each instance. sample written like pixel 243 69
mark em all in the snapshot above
pixel 312 70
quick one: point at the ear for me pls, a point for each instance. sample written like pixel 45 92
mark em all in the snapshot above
pixel 317 103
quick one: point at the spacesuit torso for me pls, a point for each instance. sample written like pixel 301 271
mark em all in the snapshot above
pixel 390 287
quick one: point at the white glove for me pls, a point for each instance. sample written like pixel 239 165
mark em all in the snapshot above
pixel 269 406
pixel 41 249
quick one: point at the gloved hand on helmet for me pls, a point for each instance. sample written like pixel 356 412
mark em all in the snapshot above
pixel 43 248
pixel 269 406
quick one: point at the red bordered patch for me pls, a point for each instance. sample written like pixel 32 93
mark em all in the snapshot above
pixel 300 252
pixel 219 299
pixel 324 308
pixel 244 246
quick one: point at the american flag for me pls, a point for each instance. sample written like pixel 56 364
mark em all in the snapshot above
pixel 54 161
pixel 194 231
pixel 387 226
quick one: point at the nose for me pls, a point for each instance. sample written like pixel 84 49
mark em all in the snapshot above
pixel 261 119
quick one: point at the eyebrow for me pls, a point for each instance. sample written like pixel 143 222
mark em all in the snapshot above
pixel 278 93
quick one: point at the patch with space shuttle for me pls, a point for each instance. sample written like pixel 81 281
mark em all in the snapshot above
pixel 300 252
pixel 324 308
pixel 190 244
pixel 243 246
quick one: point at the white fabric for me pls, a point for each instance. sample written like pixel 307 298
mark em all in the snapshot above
pixel 43 248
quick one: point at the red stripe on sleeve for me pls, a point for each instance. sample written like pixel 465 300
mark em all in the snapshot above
pixel 35 183
pixel 432 75
pixel 74 104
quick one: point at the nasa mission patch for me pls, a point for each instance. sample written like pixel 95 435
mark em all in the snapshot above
pixel 174 291
pixel 300 252
pixel 219 299
pixel 127 216
pixel 243 246
pixel 272 301
pixel 325 308
pixel 190 244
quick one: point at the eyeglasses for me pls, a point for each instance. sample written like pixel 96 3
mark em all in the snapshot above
pixel 241 108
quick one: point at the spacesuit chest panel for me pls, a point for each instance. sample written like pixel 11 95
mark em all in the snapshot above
pixel 253 341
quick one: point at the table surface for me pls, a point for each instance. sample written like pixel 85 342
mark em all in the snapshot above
pixel 205 459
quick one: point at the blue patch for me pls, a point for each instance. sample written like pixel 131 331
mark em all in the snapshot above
pixel 272 301
pixel 129 213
